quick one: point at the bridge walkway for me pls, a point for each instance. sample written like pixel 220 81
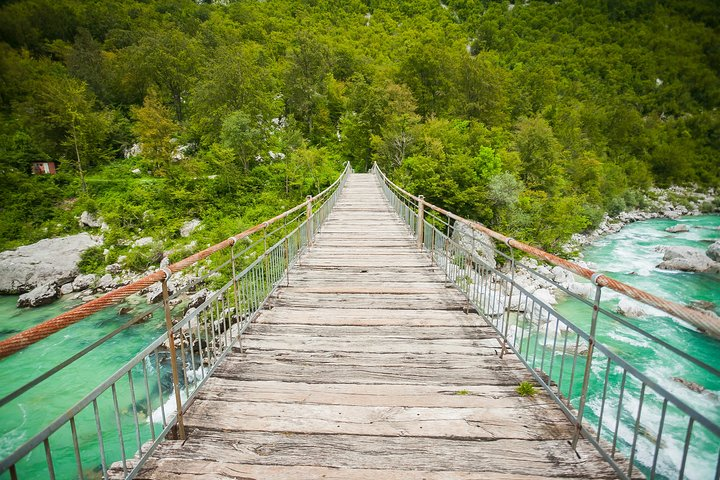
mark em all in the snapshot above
pixel 367 367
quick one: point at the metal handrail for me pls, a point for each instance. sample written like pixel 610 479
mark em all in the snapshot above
pixel 705 321
pixel 544 341
pixel 38 332
pixel 205 336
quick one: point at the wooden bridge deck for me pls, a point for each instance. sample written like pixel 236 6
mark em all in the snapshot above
pixel 366 367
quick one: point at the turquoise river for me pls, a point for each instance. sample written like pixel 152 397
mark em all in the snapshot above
pixel 629 255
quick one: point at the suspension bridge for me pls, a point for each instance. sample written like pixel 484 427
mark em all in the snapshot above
pixel 365 340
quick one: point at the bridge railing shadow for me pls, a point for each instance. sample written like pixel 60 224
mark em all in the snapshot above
pixel 607 372
pixel 115 426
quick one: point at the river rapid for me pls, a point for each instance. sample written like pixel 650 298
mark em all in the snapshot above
pixel 631 256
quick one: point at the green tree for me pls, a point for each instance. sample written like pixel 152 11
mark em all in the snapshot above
pixel 68 105
pixel 155 130
pixel 243 135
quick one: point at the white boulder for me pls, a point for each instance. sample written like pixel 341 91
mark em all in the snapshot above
pixel 679 228
pixel 713 251
pixel 87 219
pixel 631 308
pixel 688 259
pixel 41 295
pixel 188 227
pixel 82 282
pixel 53 260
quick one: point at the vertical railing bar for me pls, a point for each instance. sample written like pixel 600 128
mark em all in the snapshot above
pixel 118 423
pixel 183 359
pixel 604 396
pixel 562 363
pixel 159 384
pixel 101 444
pixel 686 447
pixel 48 459
pixel 537 342
pixel 76 449
pixel 135 413
pixel 552 355
pixel 572 373
pixel 619 412
pixel 148 400
pixel 635 433
pixel 658 442
pixel 544 346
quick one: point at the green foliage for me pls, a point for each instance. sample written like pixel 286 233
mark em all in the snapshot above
pixel 526 389
pixel 534 120
pixel 140 259
pixel 92 260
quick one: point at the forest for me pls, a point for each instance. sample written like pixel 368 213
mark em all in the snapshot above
pixel 532 117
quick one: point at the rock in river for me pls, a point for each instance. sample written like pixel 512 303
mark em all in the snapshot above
pixel 679 228
pixel 713 251
pixel 53 260
pixel 41 295
pixel 688 259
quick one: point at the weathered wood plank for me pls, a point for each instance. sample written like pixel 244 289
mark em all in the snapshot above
pixel 378 395
pixel 390 301
pixel 229 470
pixel 486 424
pixel 397 369
pixel 394 332
pixel 373 344
pixel 369 317
pixel 510 457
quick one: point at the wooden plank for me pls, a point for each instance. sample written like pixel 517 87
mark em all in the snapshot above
pixel 395 332
pixel 485 424
pixel 364 369
pixel 230 470
pixel 378 395
pixel 398 302
pixel 510 457
pixel 371 344
pixel 368 317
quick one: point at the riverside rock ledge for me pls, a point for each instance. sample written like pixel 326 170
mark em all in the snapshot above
pixel 50 261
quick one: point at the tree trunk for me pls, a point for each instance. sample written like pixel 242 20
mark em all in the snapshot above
pixel 79 163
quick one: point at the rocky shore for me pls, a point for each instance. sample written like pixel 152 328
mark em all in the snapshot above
pixel 671 203
pixel 44 271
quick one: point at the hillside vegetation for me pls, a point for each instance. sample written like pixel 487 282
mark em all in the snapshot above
pixel 533 118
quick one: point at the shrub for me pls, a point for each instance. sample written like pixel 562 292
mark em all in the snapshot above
pixel 140 258
pixel 92 260
pixel 526 389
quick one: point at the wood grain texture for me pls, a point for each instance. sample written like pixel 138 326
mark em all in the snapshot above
pixel 367 367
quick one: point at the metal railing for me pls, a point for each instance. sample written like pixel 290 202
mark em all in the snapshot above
pixel 594 363
pixel 123 419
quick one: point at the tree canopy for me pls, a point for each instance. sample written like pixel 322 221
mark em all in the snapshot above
pixel 532 117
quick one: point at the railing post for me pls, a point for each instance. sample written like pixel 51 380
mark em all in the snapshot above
pixel 420 227
pixel 308 219
pixel 588 361
pixel 506 326
pixel 235 293
pixel 173 356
